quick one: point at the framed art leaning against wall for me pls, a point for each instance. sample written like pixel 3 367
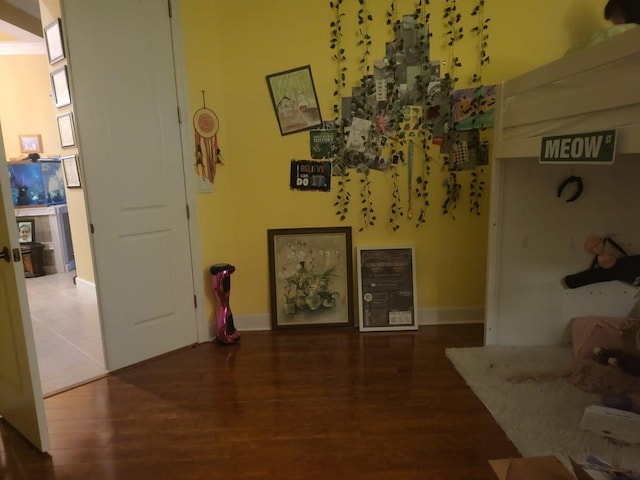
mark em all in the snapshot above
pixel 311 276
pixel 387 288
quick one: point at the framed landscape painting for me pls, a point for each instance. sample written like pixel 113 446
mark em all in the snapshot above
pixel 294 99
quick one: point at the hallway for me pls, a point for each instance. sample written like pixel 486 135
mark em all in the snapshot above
pixel 66 329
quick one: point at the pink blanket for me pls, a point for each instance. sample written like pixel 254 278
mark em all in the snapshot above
pixel 604 332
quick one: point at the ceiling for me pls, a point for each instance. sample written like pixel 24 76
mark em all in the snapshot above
pixel 32 7
pixel 16 41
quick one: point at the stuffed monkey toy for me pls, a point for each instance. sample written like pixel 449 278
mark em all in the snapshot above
pixel 618 358
pixel 606 266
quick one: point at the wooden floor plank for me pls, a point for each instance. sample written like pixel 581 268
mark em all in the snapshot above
pixel 290 404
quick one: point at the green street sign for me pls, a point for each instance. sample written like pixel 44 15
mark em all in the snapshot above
pixel 590 147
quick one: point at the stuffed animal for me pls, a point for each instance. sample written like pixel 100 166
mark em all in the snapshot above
pixel 618 358
pixel 607 265
pixel 628 363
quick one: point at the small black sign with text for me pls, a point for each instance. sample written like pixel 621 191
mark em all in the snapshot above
pixel 310 175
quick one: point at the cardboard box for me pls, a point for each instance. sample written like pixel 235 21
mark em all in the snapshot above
pixel 612 423
pixel 536 468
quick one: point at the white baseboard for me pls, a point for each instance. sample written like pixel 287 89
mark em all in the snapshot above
pixel 85 284
pixel 426 316
pixel 450 315
pixel 252 322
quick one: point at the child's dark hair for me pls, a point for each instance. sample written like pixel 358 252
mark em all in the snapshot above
pixel 627 10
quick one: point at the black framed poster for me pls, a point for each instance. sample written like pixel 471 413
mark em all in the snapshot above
pixel 386 288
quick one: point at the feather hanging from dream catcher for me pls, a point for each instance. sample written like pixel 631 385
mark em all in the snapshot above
pixel 206 124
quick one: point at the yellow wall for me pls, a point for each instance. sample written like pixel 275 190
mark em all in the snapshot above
pixel 231 46
pixel 25 103
pixel 49 12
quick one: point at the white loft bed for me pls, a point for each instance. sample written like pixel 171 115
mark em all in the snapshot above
pixel 536 238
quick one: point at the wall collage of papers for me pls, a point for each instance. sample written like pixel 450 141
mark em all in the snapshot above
pixel 407 100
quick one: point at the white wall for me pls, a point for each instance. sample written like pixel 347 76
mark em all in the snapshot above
pixel 541 241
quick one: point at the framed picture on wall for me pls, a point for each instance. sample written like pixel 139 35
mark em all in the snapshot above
pixel 31 143
pixel 26 231
pixel 66 130
pixel 294 99
pixel 71 171
pixel 311 277
pixel 60 87
pixel 53 39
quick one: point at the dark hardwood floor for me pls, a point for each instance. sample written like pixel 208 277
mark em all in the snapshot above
pixel 303 404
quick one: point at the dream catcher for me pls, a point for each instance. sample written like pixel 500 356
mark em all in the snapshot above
pixel 206 124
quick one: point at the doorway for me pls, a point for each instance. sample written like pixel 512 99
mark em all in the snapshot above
pixel 64 309
pixel 66 329
pixel 144 246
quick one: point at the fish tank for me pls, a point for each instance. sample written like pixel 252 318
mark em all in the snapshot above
pixel 37 184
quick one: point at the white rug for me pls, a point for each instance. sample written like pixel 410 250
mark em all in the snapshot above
pixel 540 418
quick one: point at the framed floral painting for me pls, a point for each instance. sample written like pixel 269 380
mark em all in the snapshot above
pixel 311 277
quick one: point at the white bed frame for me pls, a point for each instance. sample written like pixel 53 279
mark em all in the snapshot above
pixel 536 238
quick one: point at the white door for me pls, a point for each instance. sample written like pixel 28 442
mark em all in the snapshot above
pixel 124 96
pixel 21 401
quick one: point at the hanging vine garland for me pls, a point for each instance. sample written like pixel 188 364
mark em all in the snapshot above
pixel 363 110
pixel 476 189
pixel 453 194
pixel 340 81
pixel 410 163
pixel 206 125
pixel 422 182
pixel 481 31
pixel 396 204
pixel 392 13
pixel 368 214
pixel 415 147
pixel 385 121
pixel 343 196
pixel 364 18
pixel 370 150
pixel 422 86
pixel 455 33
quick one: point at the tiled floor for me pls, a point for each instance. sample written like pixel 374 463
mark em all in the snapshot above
pixel 66 330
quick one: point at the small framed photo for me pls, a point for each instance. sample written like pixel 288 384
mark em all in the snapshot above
pixel 71 171
pixel 31 143
pixel 66 130
pixel 387 288
pixel 311 275
pixel 53 39
pixel 60 87
pixel 26 231
pixel 294 99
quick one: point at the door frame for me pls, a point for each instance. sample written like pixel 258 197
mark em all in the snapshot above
pixel 204 334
